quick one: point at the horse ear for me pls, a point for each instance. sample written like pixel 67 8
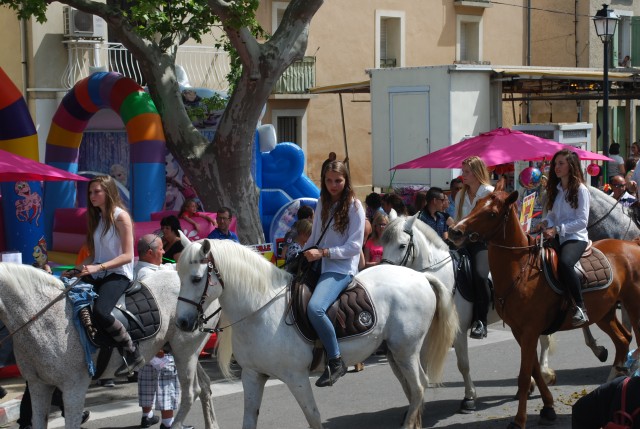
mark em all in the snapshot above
pixel 410 221
pixel 206 247
pixel 183 239
pixel 500 185
pixel 512 198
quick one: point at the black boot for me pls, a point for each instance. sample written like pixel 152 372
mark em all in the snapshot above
pixel 334 370
pixel 132 361
pixel 478 330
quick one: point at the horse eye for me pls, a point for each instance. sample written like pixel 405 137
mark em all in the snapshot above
pixel 402 246
pixel 196 279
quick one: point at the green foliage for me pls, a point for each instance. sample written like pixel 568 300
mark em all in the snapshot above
pixel 28 8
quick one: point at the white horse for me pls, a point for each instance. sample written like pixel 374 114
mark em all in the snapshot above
pixel 412 243
pixel 415 317
pixel 49 353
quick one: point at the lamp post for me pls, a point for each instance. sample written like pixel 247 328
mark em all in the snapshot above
pixel 605 21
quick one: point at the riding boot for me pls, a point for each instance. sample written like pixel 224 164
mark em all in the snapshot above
pixel 131 356
pixel 334 370
pixel 579 316
pixel 479 326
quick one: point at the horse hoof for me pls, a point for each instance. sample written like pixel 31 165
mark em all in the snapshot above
pixel 467 406
pixel 603 354
pixel 547 416
pixel 514 425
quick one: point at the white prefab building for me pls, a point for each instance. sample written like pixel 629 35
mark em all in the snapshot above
pixel 418 110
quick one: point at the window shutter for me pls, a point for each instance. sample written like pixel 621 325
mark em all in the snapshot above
pixel 383 40
pixel 635 41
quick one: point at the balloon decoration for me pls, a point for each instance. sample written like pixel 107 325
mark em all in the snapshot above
pixel 530 178
pixel 593 169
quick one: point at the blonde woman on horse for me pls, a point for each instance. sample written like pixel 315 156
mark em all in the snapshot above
pixel 566 222
pixel 476 185
pixel 337 234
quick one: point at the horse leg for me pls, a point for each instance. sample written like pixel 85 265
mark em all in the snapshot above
pixel 188 378
pixel 547 414
pixel 528 360
pixel 399 375
pixel 206 398
pixel 546 348
pixel 611 326
pixel 412 375
pixel 253 386
pixel 300 387
pixel 40 403
pixel 599 351
pixel 468 403
pixel 73 398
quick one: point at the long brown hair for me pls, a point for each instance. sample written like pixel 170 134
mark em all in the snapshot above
pixel 112 200
pixel 480 172
pixel 575 179
pixel 341 217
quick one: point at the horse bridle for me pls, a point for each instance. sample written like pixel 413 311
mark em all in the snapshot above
pixel 211 269
pixel 410 254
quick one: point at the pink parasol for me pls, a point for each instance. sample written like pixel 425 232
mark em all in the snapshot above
pixel 499 146
pixel 14 168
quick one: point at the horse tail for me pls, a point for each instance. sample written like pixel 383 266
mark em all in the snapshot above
pixel 442 332
pixel 224 347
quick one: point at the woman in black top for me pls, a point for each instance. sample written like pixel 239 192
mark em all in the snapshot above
pixel 172 245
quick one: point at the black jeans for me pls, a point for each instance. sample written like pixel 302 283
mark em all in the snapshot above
pixel 480 267
pixel 569 254
pixel 109 290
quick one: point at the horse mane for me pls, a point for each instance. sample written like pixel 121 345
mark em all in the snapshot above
pixel 431 235
pixel 241 267
pixel 246 274
pixel 22 278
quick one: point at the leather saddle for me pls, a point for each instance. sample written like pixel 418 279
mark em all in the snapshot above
pixel 462 273
pixel 593 268
pixel 137 310
pixel 352 314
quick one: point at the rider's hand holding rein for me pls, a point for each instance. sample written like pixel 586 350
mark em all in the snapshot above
pixel 315 254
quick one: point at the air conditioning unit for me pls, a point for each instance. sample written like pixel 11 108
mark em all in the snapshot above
pixel 83 25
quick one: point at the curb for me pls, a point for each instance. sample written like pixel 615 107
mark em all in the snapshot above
pixel 10 411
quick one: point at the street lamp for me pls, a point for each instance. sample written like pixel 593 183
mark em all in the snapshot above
pixel 605 21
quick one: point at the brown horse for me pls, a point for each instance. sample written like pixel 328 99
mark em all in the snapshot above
pixel 528 305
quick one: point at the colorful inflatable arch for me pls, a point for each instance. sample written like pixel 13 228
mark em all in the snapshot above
pixel 21 201
pixel 144 129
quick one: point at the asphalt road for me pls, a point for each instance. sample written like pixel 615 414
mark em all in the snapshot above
pixel 373 398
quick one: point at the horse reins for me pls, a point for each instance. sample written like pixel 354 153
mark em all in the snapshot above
pixel 409 253
pixel 202 319
pixel 35 317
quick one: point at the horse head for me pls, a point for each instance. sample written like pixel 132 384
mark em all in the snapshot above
pixel 200 283
pixel 397 242
pixel 487 218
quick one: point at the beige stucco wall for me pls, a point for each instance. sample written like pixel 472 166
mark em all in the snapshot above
pixel 342 37
pixel 10 46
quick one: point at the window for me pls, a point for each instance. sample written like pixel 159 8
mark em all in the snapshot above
pixel 277 12
pixel 469 38
pixel 389 34
pixel 291 126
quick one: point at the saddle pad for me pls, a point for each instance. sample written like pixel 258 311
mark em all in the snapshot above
pixel 593 268
pixel 352 313
pixel 141 307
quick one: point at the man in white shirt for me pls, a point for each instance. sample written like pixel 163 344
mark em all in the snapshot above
pixel 159 386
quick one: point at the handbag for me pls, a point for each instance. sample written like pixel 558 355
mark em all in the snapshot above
pixel 307 272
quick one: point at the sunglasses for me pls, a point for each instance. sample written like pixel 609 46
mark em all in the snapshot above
pixel 620 185
pixel 156 234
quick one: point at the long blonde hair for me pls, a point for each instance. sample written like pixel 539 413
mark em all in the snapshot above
pixel 112 200
pixel 479 170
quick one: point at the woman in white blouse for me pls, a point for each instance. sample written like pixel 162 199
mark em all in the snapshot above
pixel 566 222
pixel 476 185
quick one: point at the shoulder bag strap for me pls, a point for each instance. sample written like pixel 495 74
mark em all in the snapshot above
pixel 325 229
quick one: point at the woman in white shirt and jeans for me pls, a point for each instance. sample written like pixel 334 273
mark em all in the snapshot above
pixel 339 250
pixel 476 185
pixel 566 221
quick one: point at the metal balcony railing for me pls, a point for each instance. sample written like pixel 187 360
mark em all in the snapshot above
pixel 298 78
pixel 386 63
pixel 203 67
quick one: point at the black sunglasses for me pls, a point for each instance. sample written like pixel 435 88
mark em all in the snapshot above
pixel 156 234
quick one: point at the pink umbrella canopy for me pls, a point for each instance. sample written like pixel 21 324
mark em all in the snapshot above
pixel 499 146
pixel 14 168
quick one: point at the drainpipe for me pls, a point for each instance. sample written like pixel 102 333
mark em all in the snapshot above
pixel 575 37
pixel 23 56
pixel 528 54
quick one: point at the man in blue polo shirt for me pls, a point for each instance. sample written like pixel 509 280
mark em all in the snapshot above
pixel 433 214
pixel 224 221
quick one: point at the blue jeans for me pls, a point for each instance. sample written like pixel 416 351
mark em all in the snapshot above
pixel 329 287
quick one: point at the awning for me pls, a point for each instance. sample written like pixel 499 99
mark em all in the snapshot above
pixel 343 88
